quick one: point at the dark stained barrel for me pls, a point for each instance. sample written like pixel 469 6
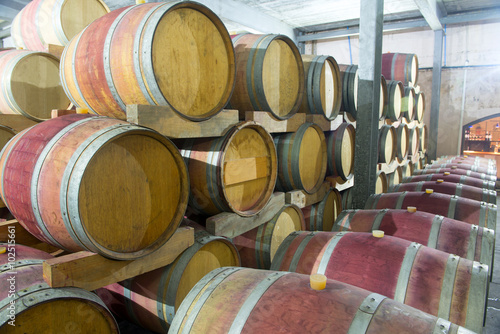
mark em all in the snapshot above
pixel 471 167
pixel 459 208
pixel 262 301
pixel 430 280
pixel 450 188
pixel 400 66
pixel 67 178
pixel 481 176
pixel 455 178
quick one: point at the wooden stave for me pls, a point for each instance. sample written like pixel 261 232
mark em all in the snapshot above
pixel 314 215
pixel 449 188
pixel 481 176
pixel 8 104
pixel 394 104
pixel 397 66
pixel 451 236
pixel 382 143
pixel 334 141
pixel 214 200
pixel 346 199
pixel 31 292
pixel 249 63
pixel 459 208
pixel 307 253
pixel 462 179
pixel 53 222
pixel 111 102
pixel 333 312
pixel 349 75
pixel 152 299
pixel 288 147
pixel 254 246
pixel 311 101
pixel 381 182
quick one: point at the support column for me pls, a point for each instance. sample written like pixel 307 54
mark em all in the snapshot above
pixel 370 62
pixel 436 94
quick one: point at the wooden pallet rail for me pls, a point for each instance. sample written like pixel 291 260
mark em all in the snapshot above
pixel 91 271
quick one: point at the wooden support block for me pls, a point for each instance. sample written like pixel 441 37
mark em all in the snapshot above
pixel 167 122
pixel 272 124
pixel 325 124
pixel 349 119
pixel 56 50
pixel 16 122
pixel 61 112
pixel 22 237
pixel 91 271
pixel 230 224
pixel 388 168
pixel 339 184
pixel 302 199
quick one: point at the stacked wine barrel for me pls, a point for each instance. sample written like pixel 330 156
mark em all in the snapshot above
pixel 93 181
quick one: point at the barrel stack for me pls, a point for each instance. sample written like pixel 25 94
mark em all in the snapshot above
pixel 181 182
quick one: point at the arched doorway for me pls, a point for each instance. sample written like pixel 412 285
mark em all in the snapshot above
pixel 482 135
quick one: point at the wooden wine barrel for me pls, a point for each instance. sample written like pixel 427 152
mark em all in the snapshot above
pixel 269 75
pixel 322 215
pixel 419 106
pixel 401 67
pixel 469 173
pixel 233 173
pixel 44 22
pixel 395 177
pixel 384 98
pixel 381 183
pixel 350 77
pixel 413 142
pixel 455 178
pixel 346 196
pixel 430 280
pixel 151 300
pixel 479 161
pixel 178 55
pixel 340 151
pixel 422 134
pixel 450 188
pixel 402 142
pixel 387 144
pixel 105 170
pixel 302 159
pixel 459 208
pixel 258 246
pixel 408 104
pixel 395 90
pixel 474 168
pixel 33 96
pixel 323 88
pixel 407 169
pixel 262 301
pixel 434 231
pixel 29 305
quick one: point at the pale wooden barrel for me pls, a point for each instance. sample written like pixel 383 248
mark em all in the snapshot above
pixel 395 177
pixel 407 169
pixel 422 134
pixel 402 142
pixel 400 66
pixel 269 75
pixel 27 94
pixel 413 141
pixel 321 216
pixel 67 178
pixel 151 300
pixel 177 55
pixel 233 173
pixel 323 88
pixel 44 22
pixel 381 183
pixel 419 106
pixel 258 246
pixel 302 159
pixel 340 151
pixel 387 144
pixel 241 300
pixel 346 199
pixel 408 105
pixel 350 77
pixel 395 93
pixel 29 305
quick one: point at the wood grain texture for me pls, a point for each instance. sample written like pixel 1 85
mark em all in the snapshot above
pixel 321 216
pixel 340 151
pixel 167 122
pixel 91 271
pixel 273 124
pixel 230 224
pixel 400 66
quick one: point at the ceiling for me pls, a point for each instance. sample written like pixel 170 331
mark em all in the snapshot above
pixel 317 18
